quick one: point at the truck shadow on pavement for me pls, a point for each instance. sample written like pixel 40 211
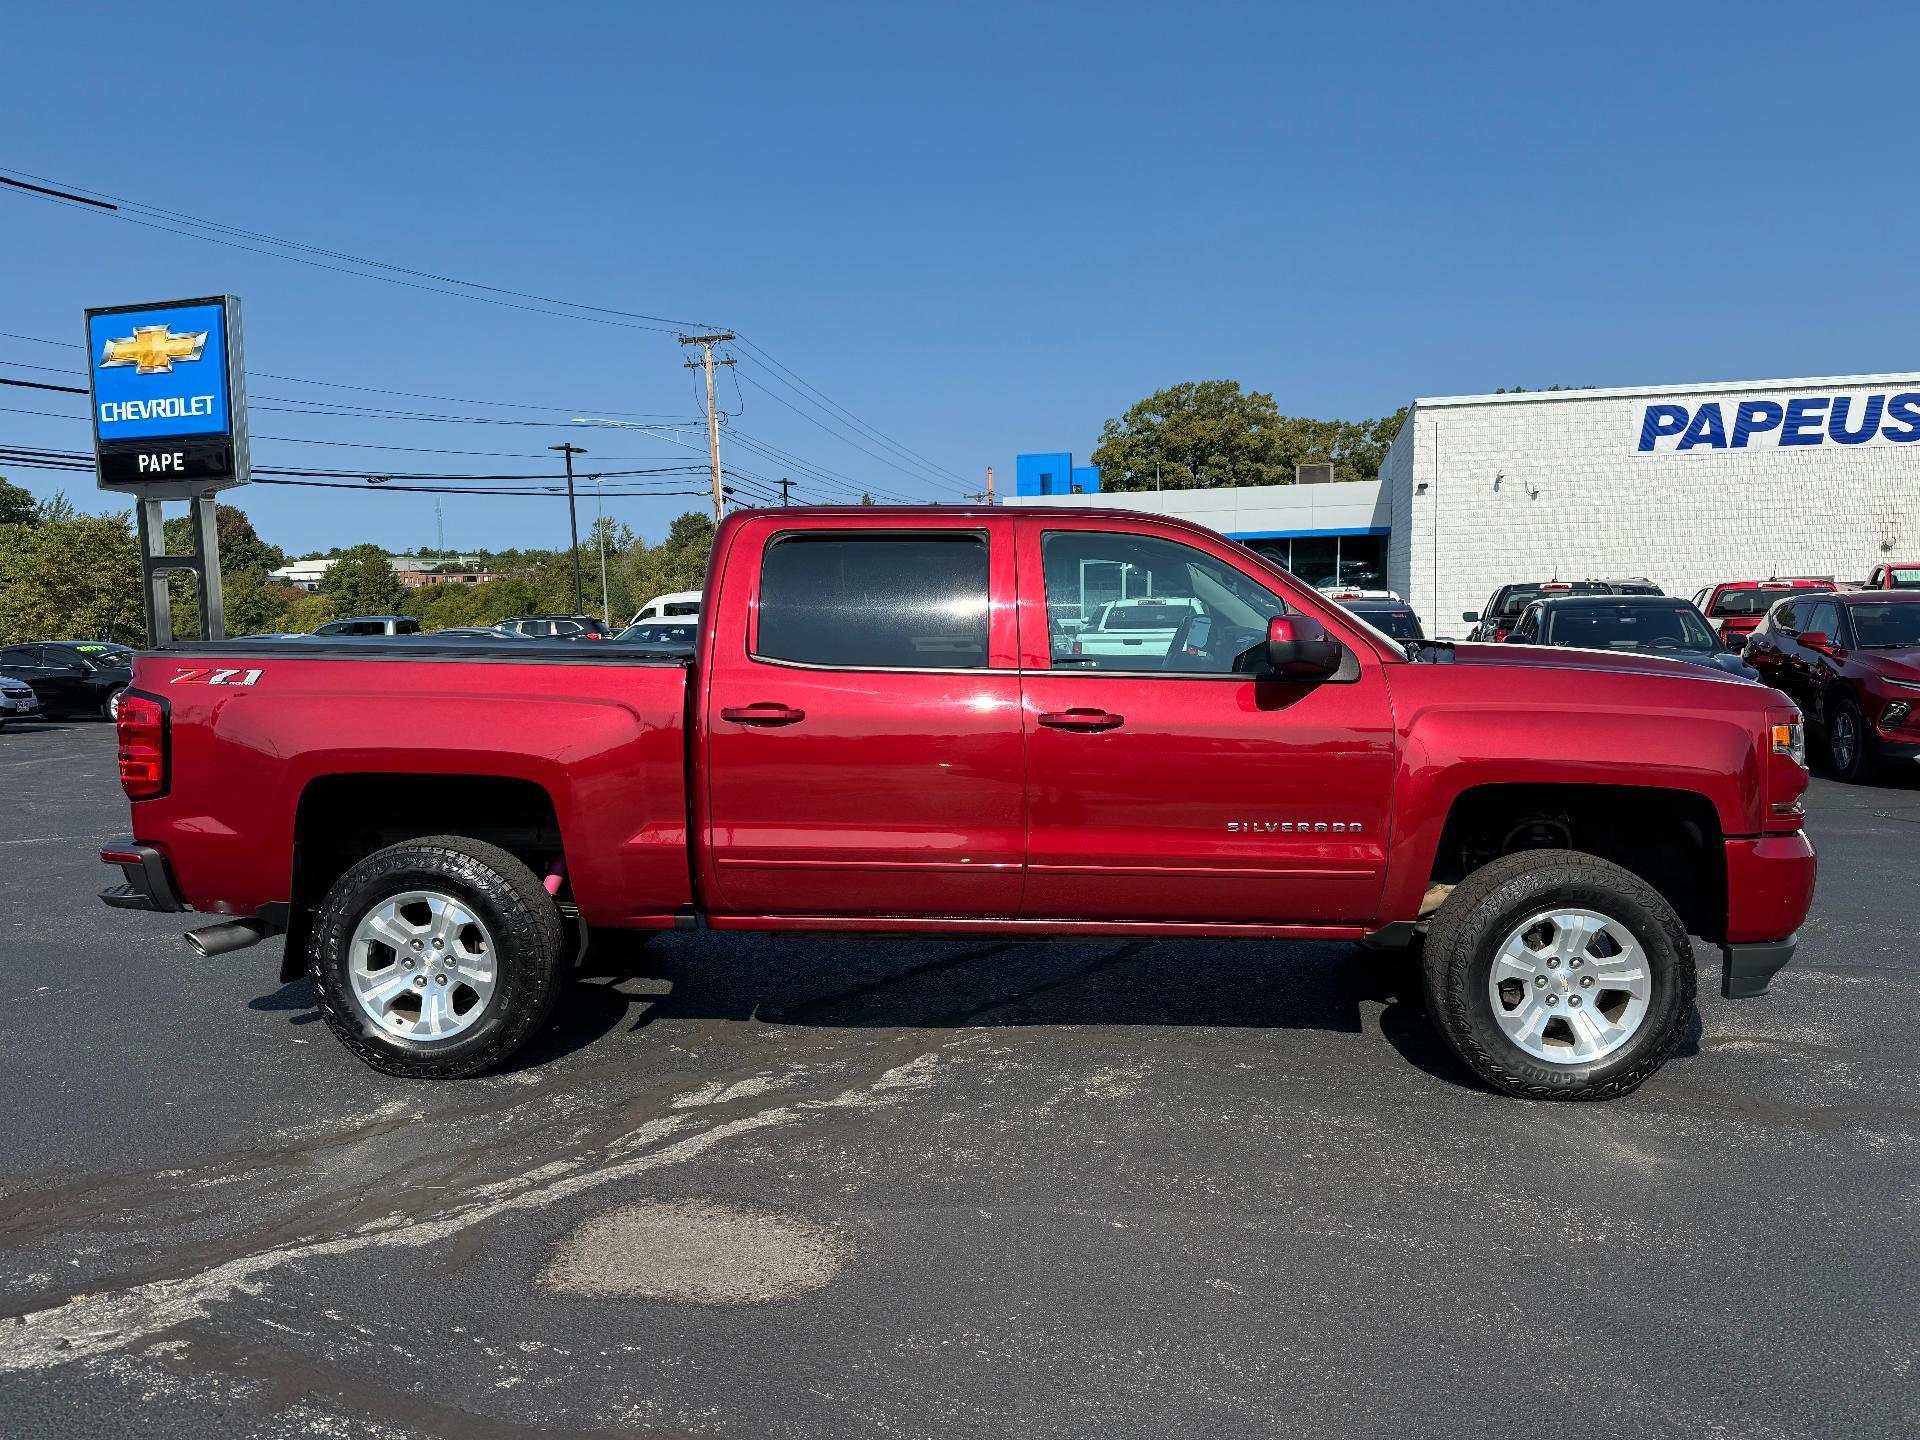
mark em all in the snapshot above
pixel 628 985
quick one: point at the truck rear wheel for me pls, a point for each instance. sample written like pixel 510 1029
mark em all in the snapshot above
pixel 1556 975
pixel 437 958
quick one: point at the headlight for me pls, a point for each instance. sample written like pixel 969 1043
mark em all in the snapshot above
pixel 1790 739
pixel 1903 685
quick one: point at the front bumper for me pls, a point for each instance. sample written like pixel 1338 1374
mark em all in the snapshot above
pixel 1769 892
pixel 1746 969
pixel 149 881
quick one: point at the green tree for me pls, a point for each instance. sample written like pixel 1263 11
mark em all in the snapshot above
pixel 255 604
pixel 678 562
pixel 241 547
pixel 1213 433
pixel 361 582
pixel 17 505
pixel 75 579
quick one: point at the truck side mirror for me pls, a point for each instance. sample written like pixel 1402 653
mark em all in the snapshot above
pixel 1299 647
pixel 1472 617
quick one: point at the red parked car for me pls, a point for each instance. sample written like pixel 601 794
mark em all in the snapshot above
pixel 1852 661
pixel 882 729
pixel 1734 607
pixel 1894 577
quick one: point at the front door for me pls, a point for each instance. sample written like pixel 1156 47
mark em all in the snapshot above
pixel 862 730
pixel 1175 781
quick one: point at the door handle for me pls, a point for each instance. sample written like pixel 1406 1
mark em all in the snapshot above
pixel 763 713
pixel 1082 720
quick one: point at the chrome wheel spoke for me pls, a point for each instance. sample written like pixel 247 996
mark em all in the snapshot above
pixel 380 989
pixel 386 926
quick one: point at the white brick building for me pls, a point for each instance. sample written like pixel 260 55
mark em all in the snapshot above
pixel 1682 484
pixel 1484 489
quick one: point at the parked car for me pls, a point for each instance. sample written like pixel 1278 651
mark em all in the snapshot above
pixel 1503 607
pixel 1340 594
pixel 1894 577
pixel 371 625
pixel 558 627
pixel 678 605
pixel 1145 630
pixel 1390 617
pixel 72 677
pixel 1734 607
pixel 1639 585
pixel 660 632
pixel 476 632
pixel 883 743
pixel 17 700
pixel 1642 624
pixel 1852 663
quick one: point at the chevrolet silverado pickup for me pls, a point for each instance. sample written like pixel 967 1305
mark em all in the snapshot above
pixel 881 729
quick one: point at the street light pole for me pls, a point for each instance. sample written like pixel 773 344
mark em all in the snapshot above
pixel 600 527
pixel 573 520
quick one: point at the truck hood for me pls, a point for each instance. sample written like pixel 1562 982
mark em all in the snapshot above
pixel 1611 662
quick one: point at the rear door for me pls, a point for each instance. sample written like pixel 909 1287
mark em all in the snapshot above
pixel 862 720
pixel 1186 785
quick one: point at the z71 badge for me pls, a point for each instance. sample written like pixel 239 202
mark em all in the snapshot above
pixel 216 677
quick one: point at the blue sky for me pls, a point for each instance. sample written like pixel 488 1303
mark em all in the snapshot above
pixel 981 229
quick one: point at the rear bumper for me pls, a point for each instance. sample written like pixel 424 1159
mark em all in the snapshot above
pixel 149 879
pixel 1769 892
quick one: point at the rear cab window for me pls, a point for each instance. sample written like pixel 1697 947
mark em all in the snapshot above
pixel 875 600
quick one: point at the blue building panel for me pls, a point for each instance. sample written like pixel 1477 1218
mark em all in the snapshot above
pixel 1049 474
pixel 1086 480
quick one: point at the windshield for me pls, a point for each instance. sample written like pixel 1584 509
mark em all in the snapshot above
pixel 1885 625
pixel 115 656
pixel 1400 624
pixel 657 633
pixel 1648 628
pixel 1521 596
pixel 1145 617
pixel 1750 602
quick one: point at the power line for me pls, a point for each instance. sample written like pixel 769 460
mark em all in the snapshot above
pixel 217 232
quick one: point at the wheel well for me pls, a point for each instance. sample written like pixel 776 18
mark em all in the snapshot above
pixel 343 818
pixel 1670 838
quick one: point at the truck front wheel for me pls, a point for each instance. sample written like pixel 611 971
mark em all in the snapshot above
pixel 1556 975
pixel 437 958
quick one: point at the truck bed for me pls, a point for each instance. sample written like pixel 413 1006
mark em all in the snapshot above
pixel 259 726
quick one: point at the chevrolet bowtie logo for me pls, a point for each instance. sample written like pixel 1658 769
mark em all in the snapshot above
pixel 152 349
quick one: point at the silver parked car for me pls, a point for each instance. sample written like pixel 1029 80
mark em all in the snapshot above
pixel 17 700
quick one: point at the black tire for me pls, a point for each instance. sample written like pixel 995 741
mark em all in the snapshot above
pixel 1849 747
pixel 1475 921
pixel 528 941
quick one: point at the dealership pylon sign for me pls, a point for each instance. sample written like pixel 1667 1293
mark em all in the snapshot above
pixel 169 400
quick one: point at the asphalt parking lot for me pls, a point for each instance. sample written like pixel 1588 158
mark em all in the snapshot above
pixel 755 1187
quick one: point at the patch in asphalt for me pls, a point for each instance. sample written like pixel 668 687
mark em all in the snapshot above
pixel 700 1250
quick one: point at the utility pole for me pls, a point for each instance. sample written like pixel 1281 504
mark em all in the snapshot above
pixel 573 520
pixel 990 484
pixel 706 344
pixel 784 485
pixel 600 529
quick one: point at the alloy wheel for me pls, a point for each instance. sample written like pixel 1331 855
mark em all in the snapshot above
pixel 422 965
pixel 1570 986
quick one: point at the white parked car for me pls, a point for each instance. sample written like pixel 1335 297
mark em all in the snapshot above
pixel 1144 627
pixel 17 700
pixel 679 605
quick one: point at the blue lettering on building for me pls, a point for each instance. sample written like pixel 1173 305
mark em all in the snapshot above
pixel 1802 420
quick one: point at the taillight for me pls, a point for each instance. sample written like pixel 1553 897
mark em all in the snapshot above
pixel 1499 634
pixel 142 728
pixel 1783 764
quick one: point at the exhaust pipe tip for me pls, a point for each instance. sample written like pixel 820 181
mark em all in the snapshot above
pixel 228 936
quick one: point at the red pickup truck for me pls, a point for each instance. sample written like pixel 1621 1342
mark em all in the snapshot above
pixel 881 729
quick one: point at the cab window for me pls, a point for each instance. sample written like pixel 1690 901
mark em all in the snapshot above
pixel 1121 602
pixel 860 600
